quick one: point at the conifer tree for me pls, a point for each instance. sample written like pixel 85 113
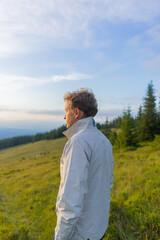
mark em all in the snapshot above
pixel 106 130
pixel 139 122
pixel 128 136
pixel 149 113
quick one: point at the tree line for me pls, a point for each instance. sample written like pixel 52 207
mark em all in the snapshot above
pixel 133 130
pixel 15 141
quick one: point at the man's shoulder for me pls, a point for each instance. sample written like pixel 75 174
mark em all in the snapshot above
pixel 84 133
pixel 74 142
pixel 89 135
pixel 77 138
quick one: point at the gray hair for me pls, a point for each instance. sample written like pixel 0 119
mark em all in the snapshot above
pixel 84 100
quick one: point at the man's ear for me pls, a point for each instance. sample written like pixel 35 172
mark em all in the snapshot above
pixel 77 112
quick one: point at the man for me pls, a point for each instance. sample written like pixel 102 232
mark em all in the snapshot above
pixel 83 200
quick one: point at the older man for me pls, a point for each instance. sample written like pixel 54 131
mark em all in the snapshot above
pixel 83 200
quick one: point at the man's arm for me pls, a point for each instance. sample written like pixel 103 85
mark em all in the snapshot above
pixel 73 190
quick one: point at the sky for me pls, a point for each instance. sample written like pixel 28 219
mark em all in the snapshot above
pixel 50 47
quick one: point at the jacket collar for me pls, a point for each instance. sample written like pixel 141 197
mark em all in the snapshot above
pixel 79 125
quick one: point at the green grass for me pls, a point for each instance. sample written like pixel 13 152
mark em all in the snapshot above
pixel 29 182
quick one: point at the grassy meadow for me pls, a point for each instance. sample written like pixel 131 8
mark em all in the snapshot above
pixel 29 182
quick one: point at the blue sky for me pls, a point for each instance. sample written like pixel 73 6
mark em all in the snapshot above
pixel 50 47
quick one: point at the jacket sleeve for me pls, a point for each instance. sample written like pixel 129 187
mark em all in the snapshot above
pixel 73 190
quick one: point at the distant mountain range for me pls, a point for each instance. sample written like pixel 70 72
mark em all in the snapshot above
pixel 14 132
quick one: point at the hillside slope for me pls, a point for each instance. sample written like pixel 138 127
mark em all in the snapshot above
pixel 29 181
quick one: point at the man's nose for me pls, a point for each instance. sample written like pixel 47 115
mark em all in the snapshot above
pixel 65 116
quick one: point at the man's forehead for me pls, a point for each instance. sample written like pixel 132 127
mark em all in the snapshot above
pixel 68 104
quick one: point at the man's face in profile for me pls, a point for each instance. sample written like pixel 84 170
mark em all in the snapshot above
pixel 70 114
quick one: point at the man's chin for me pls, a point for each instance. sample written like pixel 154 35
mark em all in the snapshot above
pixel 68 126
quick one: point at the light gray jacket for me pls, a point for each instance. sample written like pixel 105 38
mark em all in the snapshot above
pixel 86 169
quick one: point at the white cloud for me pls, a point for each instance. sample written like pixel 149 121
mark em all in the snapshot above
pixel 70 77
pixel 16 82
pixel 27 25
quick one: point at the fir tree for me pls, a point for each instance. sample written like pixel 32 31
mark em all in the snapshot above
pixel 149 113
pixel 128 136
pixel 139 122
pixel 106 130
